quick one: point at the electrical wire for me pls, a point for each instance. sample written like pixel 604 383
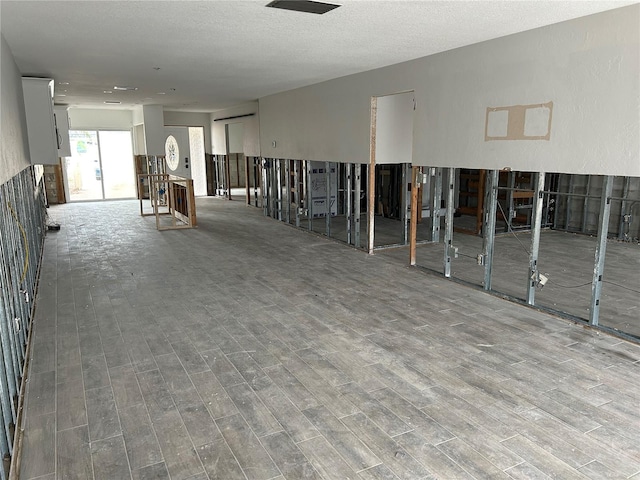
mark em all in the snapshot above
pixel 590 283
pixel 508 222
pixel 25 266
pixel 621 286
pixel 568 286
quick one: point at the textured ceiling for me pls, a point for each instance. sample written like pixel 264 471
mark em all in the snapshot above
pixel 217 54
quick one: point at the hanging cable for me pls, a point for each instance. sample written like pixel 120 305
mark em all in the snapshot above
pixel 511 229
pixel 621 286
pixel 25 266
pixel 568 286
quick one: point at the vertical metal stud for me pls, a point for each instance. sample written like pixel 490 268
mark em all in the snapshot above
pixel 309 197
pixel 348 200
pixel 405 201
pixel 623 207
pixel 536 226
pixel 601 249
pixel 585 206
pixel 357 193
pixel 436 201
pixel 296 189
pixel 448 222
pixel 568 201
pixel 287 190
pixel 489 224
pixel 327 168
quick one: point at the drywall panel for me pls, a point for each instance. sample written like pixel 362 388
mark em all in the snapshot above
pixel 251 127
pixel 96 119
pixel 154 134
pixel 137 115
pixel 14 146
pixel 587 67
pixel 236 137
pixel 394 128
pixel 191 119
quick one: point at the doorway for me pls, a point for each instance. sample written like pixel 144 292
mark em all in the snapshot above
pixel 100 166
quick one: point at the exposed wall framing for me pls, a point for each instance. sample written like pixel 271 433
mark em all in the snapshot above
pixel 22 231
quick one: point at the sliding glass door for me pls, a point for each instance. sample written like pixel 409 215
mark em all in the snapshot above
pixel 101 165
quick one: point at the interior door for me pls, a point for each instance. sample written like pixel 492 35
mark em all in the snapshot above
pixel 181 134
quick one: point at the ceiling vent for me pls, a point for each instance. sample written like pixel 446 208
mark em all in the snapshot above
pixel 307 6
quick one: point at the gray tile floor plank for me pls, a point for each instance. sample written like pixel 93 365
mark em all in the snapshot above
pixel 139 437
pixel 110 459
pixel 73 454
pixel 470 459
pixel 71 408
pixel 541 459
pixel 350 447
pixel 259 418
pixel 41 389
pixel 307 338
pixel 251 455
pixel 213 394
pixel 126 389
pixel 102 414
pixel 290 460
pixel 39 446
pixel 292 420
pixel 325 459
pixel 385 448
pixel 219 462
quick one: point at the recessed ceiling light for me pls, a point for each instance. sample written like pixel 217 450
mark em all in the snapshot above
pixel 63 83
pixel 60 95
pixel 306 6
pixel 107 91
pixel 126 89
pixel 160 93
pixel 112 102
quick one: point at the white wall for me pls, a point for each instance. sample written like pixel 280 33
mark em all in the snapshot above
pixel 587 67
pixel 14 146
pixel 154 135
pixel 105 119
pixel 191 119
pixel 394 128
pixel 251 127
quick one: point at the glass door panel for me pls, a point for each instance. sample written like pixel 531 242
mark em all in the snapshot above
pixel 83 169
pixel 117 164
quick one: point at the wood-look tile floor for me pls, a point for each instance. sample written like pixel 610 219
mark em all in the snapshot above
pixel 245 349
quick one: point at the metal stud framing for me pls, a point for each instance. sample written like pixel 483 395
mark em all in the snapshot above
pixel 357 187
pixel 601 248
pixel 489 225
pixel 22 226
pixel 536 225
pixel 327 218
pixel 448 229
pixel 348 200
pixel 436 195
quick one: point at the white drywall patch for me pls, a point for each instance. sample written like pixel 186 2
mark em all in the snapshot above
pixel 497 123
pixel 537 122
pixel 519 122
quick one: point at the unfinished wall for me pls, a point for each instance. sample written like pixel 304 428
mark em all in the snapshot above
pixel 14 146
pixel 251 127
pixel 587 67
